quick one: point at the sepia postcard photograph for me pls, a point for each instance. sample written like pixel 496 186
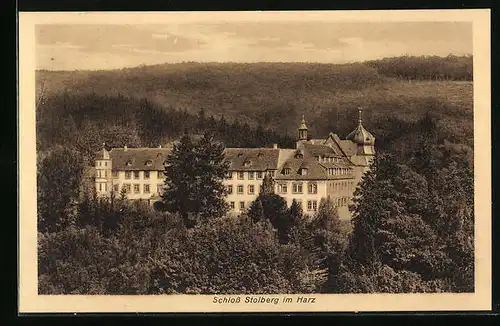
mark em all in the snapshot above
pixel 263 161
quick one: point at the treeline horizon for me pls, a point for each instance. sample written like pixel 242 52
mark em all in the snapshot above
pixel 271 97
pixel 450 67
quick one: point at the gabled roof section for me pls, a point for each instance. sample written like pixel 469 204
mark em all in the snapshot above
pixel 319 150
pixel 315 169
pixel 252 159
pixel 349 147
pixel 137 159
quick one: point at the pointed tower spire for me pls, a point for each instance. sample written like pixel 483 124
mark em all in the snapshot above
pixel 303 129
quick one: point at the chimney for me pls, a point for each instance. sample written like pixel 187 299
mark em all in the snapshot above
pixel 275 145
pixel 125 148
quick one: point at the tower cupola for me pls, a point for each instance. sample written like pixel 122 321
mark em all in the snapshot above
pixel 303 129
pixel 360 135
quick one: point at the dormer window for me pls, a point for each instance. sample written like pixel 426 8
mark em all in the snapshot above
pixel 240 154
pixel 159 155
pixel 149 163
pixel 247 163
pixel 260 155
pixel 286 171
pixel 129 163
pixel 303 171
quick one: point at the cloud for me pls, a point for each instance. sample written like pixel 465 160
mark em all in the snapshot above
pixel 352 41
pixel 61 45
pixel 115 46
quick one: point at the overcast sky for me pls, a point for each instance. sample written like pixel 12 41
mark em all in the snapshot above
pixel 69 47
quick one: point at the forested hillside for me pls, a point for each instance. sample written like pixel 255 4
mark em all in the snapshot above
pixel 265 95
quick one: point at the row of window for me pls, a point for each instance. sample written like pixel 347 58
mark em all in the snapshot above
pixel 146 188
pixel 339 171
pixel 340 186
pixel 297 188
pixel 343 201
pixel 100 163
pixel 312 205
pixel 282 188
pixel 240 189
pixel 136 174
pixel 251 175
pixel 326 159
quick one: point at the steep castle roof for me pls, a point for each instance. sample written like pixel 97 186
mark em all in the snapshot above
pixel 134 159
pixel 316 170
pixel 252 159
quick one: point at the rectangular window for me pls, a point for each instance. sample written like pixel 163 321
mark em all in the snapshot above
pixel 229 175
pixel 137 188
pixel 260 189
pixel 250 175
pixel 251 189
pixel 100 187
pixel 297 188
pixel 241 175
pixel 240 189
pixel 127 174
pixel 114 174
pixel 105 187
pixel 136 174
pixel 242 205
pixel 315 205
pixel 159 188
pixel 127 187
pixel 231 204
pixel 105 163
pixel 160 175
pixel 229 190
pixel 309 205
pixel 99 163
pixel 146 189
pixel 312 188
pixel 105 173
pixel 259 175
pixel 116 187
pixel 282 188
pixel 146 174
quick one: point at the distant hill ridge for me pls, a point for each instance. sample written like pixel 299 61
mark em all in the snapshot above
pixel 275 95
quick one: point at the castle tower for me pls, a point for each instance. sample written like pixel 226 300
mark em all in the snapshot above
pixel 303 130
pixel 103 167
pixel 365 142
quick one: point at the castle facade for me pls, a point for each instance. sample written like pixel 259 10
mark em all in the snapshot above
pixel 317 168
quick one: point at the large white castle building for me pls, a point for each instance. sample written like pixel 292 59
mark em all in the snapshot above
pixel 317 168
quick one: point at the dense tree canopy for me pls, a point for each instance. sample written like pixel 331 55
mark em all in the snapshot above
pixel 193 179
